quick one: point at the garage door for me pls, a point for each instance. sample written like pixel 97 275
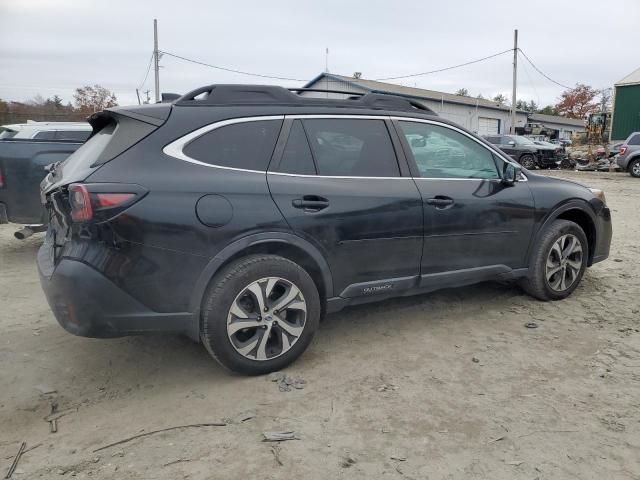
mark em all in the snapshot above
pixel 488 126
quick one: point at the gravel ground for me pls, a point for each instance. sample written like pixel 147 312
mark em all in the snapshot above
pixel 442 386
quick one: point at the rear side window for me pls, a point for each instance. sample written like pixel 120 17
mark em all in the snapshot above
pixel 73 135
pixel 45 135
pixel 296 157
pixel 352 148
pixel 7 133
pixel 247 145
pixel 493 140
pixel 635 140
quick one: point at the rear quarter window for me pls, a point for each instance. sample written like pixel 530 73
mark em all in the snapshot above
pixel 635 140
pixel 247 145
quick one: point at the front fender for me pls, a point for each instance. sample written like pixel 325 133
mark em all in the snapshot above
pixel 553 214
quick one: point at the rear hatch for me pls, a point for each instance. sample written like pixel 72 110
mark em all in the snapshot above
pixel 64 194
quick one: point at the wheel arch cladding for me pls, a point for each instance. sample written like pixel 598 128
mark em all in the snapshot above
pixel 584 220
pixel 286 245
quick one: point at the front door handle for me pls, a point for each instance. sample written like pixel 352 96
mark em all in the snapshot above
pixel 440 201
pixel 310 203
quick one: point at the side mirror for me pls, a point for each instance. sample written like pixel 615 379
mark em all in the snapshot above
pixel 511 143
pixel 511 173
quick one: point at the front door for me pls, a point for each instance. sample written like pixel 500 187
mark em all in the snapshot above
pixel 475 225
pixel 339 185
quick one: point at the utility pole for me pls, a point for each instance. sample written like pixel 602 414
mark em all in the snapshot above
pixel 515 81
pixel 138 95
pixel 156 59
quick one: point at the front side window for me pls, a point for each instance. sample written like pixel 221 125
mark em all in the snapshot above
pixel 247 145
pixel 352 147
pixel 441 152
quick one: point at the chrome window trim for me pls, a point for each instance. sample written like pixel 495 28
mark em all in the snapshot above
pixel 175 148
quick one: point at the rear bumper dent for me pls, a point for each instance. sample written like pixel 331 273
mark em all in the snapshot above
pixel 87 304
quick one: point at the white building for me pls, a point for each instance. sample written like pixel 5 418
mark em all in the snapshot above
pixel 484 117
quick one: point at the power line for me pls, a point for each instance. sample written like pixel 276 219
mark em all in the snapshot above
pixel 542 73
pixel 146 74
pixel 526 71
pixel 226 69
pixel 447 68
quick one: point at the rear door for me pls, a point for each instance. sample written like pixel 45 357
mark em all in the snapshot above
pixel 340 184
pixel 475 225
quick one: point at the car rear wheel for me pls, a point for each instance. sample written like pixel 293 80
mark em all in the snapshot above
pixel 528 161
pixel 260 313
pixel 558 263
pixel 634 168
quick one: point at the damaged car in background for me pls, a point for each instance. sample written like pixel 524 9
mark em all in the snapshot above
pixel 526 152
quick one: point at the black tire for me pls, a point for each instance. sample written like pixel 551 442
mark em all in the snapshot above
pixel 528 161
pixel 634 168
pixel 222 293
pixel 536 283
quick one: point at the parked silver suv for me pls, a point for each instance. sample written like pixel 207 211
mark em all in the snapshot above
pixel 629 157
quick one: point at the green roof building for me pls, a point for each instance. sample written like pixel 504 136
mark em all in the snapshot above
pixel 626 107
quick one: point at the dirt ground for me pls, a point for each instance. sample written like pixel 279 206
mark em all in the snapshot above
pixel 441 386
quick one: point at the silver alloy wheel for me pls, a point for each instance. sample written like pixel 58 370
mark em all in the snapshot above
pixel 564 262
pixel 635 168
pixel 266 318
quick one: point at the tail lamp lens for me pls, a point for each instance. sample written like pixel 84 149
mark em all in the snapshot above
pixel 85 205
pixel 81 210
pixel 110 200
pixel 1 179
pixel 623 150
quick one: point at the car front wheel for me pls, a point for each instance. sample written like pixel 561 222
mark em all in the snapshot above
pixel 558 262
pixel 528 161
pixel 260 313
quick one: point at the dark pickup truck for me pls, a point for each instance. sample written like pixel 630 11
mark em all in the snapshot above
pixel 22 168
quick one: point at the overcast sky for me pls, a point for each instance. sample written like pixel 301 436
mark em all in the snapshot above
pixel 51 47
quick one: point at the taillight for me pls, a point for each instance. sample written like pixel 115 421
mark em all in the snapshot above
pixel 623 150
pixel 110 200
pixel 1 179
pixel 81 210
pixel 91 201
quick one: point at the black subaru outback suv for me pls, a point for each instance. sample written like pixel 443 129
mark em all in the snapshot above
pixel 238 215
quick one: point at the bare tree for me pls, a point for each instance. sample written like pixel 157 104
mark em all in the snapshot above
pixel 90 99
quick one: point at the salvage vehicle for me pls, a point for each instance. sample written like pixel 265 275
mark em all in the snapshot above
pixel 629 155
pixel 239 215
pixel 525 151
pixel 25 151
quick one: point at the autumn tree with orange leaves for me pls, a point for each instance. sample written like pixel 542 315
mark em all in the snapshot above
pixel 578 102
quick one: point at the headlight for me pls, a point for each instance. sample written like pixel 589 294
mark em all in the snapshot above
pixel 599 194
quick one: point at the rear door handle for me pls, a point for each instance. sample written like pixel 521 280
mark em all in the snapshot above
pixel 440 201
pixel 311 203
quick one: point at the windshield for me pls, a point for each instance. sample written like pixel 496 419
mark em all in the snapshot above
pixel 522 141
